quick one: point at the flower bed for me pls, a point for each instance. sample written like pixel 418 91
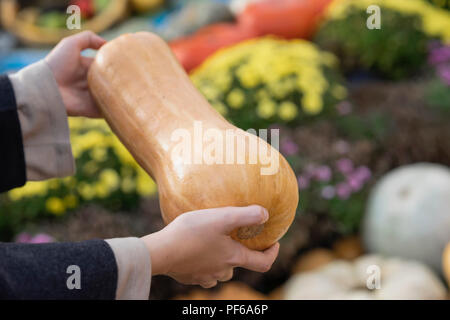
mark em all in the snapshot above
pixel 106 175
pixel 397 50
pixel 268 80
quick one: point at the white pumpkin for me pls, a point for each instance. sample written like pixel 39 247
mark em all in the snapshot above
pixel 357 294
pixel 342 272
pixel 311 286
pixel 408 214
pixel 343 280
pixel 409 281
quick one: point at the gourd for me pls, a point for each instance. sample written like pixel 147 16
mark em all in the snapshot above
pixel 145 97
pixel 193 49
pixel 283 18
pixel 446 263
pixel 313 259
pixel 408 214
pixel 399 279
pixel 233 290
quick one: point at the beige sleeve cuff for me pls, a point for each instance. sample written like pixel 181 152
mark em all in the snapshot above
pixel 43 121
pixel 134 268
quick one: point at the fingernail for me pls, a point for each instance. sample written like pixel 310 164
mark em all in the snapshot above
pixel 265 215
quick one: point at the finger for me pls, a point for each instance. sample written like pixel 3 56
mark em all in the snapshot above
pixel 209 284
pixel 88 40
pixel 257 260
pixel 86 62
pixel 226 276
pixel 235 217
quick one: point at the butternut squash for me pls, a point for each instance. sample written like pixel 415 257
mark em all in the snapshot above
pixel 146 96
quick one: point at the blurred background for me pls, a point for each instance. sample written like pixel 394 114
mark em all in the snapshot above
pixel 364 119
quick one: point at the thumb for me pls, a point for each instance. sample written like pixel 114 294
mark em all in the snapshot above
pixel 236 217
pixel 88 40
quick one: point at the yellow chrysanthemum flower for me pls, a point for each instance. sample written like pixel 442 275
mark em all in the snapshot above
pixel 69 182
pixel 110 179
pixel 99 154
pixel 339 92
pixel 128 185
pixel 70 201
pixel 312 104
pixel 248 77
pixel 86 191
pixel 102 190
pixel 269 69
pixel 95 138
pixel 145 186
pixel 287 111
pixel 55 205
pixel 30 189
pixel 223 81
pixel 266 108
pixel 210 92
pixel 236 98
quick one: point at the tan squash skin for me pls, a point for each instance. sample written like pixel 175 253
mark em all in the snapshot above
pixel 145 95
pixel 446 263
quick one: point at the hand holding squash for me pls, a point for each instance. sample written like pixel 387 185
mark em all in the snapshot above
pixel 70 70
pixel 196 247
pixel 146 96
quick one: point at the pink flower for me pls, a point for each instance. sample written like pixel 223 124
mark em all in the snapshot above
pixel 327 192
pixel 358 178
pixel 444 73
pixel 363 174
pixel 439 54
pixel 310 170
pixel 289 147
pixel 355 183
pixel 25 237
pixel 42 238
pixel 344 165
pixel 323 173
pixel 343 190
pixel 303 182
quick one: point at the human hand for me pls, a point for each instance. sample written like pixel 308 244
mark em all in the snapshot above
pixel 70 70
pixel 196 247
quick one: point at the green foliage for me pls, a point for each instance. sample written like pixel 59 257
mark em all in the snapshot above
pixel 438 95
pixel 445 4
pixel 373 126
pixel 395 51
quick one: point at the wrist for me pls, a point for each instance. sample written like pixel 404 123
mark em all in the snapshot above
pixel 160 252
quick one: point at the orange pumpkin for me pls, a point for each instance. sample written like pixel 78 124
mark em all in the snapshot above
pixel 146 96
pixel 283 18
pixel 192 50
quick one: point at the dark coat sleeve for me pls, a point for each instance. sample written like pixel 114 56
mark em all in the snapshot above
pixel 43 271
pixel 12 159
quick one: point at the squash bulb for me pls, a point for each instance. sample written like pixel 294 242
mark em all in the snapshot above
pixel 151 104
